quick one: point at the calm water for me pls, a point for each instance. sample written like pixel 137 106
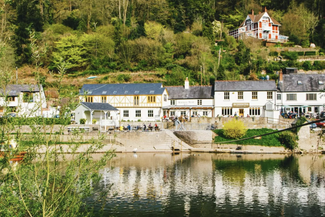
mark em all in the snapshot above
pixel 214 185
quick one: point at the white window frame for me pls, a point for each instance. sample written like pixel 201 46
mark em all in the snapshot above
pixel 240 95
pixel 255 95
pixel 138 113
pixel 226 95
pixel 150 113
pixel 269 95
pixel 311 97
pixel 199 102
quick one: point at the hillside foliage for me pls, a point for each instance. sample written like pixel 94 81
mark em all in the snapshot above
pixel 173 36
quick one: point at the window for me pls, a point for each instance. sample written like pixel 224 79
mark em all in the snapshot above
pixel 10 98
pixel 241 95
pixel 151 99
pixel 227 111
pixel 309 109
pixel 136 100
pixel 199 102
pixel 278 96
pixel 226 95
pixel 89 99
pixel 28 97
pixel 254 95
pixel 269 95
pixel 205 113
pixel 138 113
pixel 126 113
pixel 254 111
pixel 291 97
pixel 103 99
pixel 194 113
pixel 165 97
pixel 311 96
pixel 150 113
pixel 183 113
pixel 172 113
pixel 173 102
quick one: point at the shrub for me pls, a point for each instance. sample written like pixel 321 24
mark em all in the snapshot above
pixel 301 53
pixel 234 129
pixel 288 139
pixel 299 122
pixel 290 55
pixel 307 65
pixel 274 54
pixel 82 121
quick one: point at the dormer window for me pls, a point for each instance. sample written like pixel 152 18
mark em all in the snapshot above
pixel 320 82
pixel 299 82
pixel 90 92
pixel 152 91
pixel 104 92
pixel 126 92
pixel 114 92
pixel 136 92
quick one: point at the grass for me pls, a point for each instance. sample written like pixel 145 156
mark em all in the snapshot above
pixel 269 140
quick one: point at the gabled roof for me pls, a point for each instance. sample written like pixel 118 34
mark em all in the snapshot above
pixel 16 89
pixel 245 86
pixel 122 89
pixel 302 83
pixel 256 18
pixel 194 92
pixel 99 106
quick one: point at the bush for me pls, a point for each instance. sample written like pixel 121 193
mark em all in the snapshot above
pixel 288 139
pixel 234 129
pixel 290 55
pixel 307 65
pixel 273 54
pixel 299 122
pixel 82 121
pixel 301 53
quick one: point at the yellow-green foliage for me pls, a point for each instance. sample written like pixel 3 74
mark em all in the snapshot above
pixel 234 129
pixel 153 29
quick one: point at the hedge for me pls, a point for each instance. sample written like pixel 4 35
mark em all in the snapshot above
pixel 36 120
pixel 310 53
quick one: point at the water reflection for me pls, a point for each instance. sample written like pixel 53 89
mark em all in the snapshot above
pixel 214 185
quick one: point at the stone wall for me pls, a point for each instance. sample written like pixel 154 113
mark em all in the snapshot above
pixel 309 140
pixel 203 123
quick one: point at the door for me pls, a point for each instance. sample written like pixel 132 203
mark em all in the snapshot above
pixel 269 36
pixel 241 112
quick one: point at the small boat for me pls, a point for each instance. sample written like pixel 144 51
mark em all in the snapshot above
pixel 92 77
pixel 6 148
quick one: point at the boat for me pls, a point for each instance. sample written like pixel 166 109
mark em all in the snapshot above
pixel 11 145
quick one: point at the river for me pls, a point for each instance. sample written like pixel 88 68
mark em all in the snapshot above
pixel 204 184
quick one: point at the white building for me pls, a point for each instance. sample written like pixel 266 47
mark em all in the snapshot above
pixel 188 101
pixel 24 100
pixel 134 101
pixel 260 26
pixel 102 114
pixel 245 98
pixel 301 93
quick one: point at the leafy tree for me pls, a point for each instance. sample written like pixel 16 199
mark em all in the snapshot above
pixel 72 50
pixel 234 129
pixel 28 17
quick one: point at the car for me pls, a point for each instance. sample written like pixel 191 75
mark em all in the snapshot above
pixel 320 124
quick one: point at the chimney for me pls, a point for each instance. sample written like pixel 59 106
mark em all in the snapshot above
pixel 187 84
pixel 252 12
pixel 264 9
pixel 280 76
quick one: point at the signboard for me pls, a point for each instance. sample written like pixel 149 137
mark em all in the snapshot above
pixel 240 105
pixel 187 102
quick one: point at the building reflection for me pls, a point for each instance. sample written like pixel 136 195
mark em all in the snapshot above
pixel 256 182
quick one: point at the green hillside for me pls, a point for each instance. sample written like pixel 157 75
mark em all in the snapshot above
pixel 151 41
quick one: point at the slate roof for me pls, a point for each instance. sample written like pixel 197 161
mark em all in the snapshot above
pixel 99 106
pixel 245 86
pixel 16 89
pixel 122 89
pixel 302 83
pixel 194 92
